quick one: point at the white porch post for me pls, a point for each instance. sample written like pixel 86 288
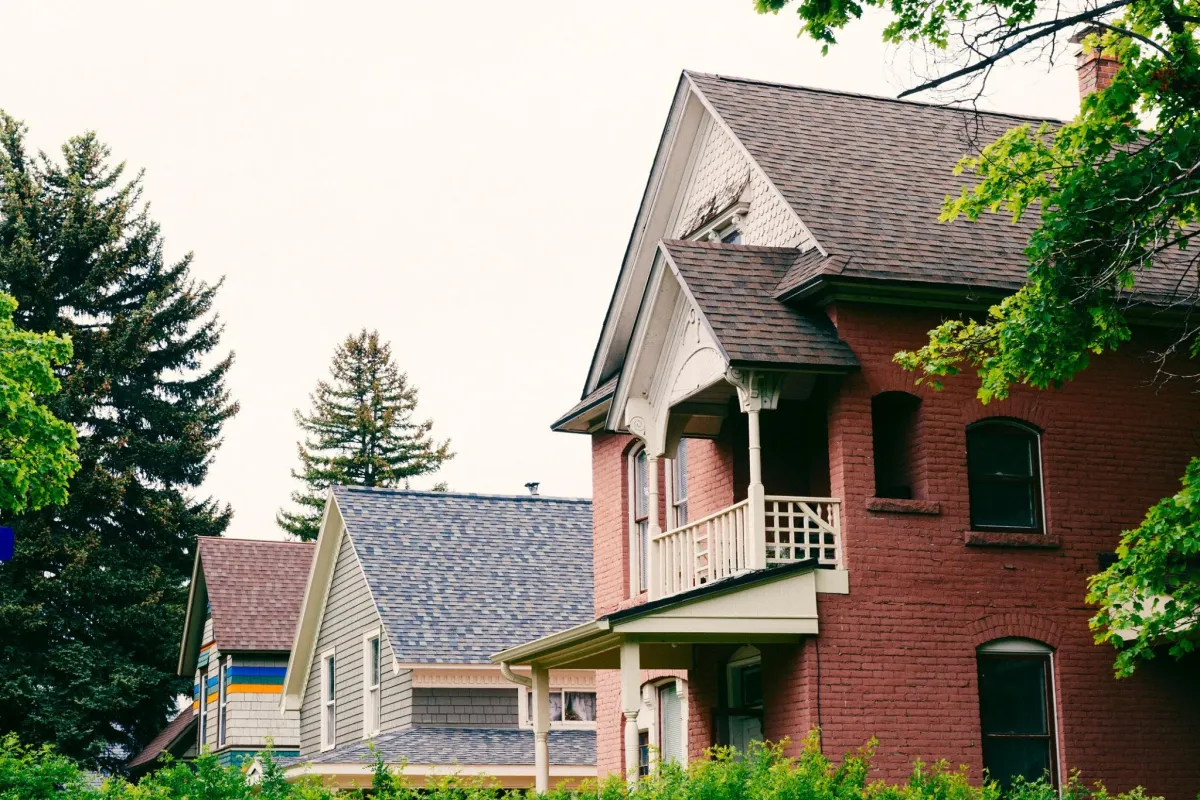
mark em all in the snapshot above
pixel 757 392
pixel 653 527
pixel 631 702
pixel 541 728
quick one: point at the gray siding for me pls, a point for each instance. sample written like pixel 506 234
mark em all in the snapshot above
pixel 465 708
pixel 349 612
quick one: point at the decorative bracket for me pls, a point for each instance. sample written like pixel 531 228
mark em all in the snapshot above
pixel 757 390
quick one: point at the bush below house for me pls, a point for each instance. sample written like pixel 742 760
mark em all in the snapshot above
pixel 28 773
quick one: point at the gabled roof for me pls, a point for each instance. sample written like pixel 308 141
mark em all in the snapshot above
pixel 167 739
pixel 735 286
pixel 254 588
pixel 457 577
pixel 868 176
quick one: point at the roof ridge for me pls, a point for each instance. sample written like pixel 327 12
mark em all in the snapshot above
pixel 241 539
pixel 875 97
pixel 477 495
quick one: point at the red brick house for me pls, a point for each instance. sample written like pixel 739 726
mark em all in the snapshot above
pixel 789 533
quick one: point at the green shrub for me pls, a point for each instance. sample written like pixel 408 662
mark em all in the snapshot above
pixel 28 773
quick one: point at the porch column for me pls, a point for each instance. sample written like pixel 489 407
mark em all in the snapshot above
pixel 541 728
pixel 653 527
pixel 756 540
pixel 631 702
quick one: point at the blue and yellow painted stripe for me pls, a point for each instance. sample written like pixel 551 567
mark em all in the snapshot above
pixel 256 680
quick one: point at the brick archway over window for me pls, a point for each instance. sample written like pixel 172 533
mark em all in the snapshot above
pixel 1026 409
pixel 896 379
pixel 1014 625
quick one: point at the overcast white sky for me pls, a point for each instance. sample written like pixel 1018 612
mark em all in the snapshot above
pixel 461 176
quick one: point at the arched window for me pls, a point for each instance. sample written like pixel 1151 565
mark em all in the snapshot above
pixel 639 515
pixel 1004 472
pixel 894 434
pixel 1016 710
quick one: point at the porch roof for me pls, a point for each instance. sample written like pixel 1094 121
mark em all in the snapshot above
pixel 777 604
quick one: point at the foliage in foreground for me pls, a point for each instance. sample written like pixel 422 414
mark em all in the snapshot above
pixel 767 774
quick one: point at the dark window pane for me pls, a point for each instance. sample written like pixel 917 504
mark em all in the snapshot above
pixel 1005 759
pixel 746 684
pixel 1001 450
pixel 1012 694
pixel 733 237
pixel 1003 504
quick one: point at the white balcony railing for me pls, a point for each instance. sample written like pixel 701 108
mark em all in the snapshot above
pixel 722 545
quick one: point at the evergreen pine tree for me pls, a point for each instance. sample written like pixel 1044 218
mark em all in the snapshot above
pixel 92 604
pixel 360 432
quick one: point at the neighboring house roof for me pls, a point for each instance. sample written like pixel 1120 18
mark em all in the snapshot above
pixel 254 588
pixel 467 746
pixel 457 577
pixel 178 730
pixel 734 287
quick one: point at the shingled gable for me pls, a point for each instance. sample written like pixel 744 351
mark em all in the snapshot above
pixel 254 588
pixel 454 577
pixel 864 177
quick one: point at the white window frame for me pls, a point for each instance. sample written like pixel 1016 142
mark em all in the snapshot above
pixel 637 549
pixel 328 704
pixel 674 518
pixel 523 699
pixel 202 725
pixel 1015 645
pixel 372 693
pixel 720 226
pixel 653 712
pixel 223 701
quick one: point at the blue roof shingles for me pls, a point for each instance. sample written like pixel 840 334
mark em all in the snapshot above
pixel 467 746
pixel 457 577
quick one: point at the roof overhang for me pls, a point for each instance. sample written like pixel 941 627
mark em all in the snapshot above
pixel 193 622
pixel 772 605
pixel 312 608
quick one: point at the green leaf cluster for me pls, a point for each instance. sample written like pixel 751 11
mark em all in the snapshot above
pixel 360 431
pixel 37 449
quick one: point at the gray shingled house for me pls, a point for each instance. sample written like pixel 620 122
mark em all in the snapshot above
pixel 409 594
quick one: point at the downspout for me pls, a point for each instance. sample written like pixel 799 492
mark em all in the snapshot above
pixel 507 672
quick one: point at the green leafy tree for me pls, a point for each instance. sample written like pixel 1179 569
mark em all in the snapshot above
pixel 1115 193
pixel 37 450
pixel 360 431
pixel 92 602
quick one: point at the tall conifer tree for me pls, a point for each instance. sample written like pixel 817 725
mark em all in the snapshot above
pixel 92 604
pixel 360 431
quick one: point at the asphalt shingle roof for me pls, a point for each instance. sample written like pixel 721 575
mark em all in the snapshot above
pixel 735 287
pixel 868 177
pixel 467 746
pixel 175 730
pixel 457 577
pixel 255 589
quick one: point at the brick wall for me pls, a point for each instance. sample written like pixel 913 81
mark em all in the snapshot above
pixel 895 658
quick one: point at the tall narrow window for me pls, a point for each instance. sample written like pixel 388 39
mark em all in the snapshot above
pixel 223 703
pixel 1016 709
pixel 328 701
pixel 1005 476
pixel 670 723
pixel 679 486
pixel 893 431
pixel 372 671
pixel 203 726
pixel 640 512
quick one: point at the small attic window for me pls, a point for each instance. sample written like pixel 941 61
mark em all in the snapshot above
pixel 733 236
pixel 726 227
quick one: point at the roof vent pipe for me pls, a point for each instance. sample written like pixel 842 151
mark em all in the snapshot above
pixel 532 486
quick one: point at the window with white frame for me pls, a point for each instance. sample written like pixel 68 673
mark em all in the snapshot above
pixel 670 723
pixel 1016 710
pixel 639 546
pixel 679 487
pixel 328 700
pixel 372 677
pixel 569 708
pixel 203 726
pixel 223 701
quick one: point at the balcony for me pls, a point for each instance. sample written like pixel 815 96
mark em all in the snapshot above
pixel 745 537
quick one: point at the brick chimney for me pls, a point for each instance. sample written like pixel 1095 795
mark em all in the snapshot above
pixel 1095 69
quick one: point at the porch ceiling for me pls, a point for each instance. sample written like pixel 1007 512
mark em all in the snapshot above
pixel 775 605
